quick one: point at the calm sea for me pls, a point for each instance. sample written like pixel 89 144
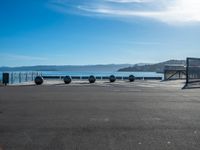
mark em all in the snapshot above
pixel 88 73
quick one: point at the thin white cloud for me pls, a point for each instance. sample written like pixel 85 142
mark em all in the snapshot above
pixel 21 57
pixel 129 1
pixel 143 43
pixel 171 12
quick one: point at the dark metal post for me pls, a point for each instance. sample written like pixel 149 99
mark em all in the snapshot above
pixel 187 73
pixel 5 78
pixel 26 76
pixel 12 78
pixel 165 76
pixel 20 78
pixel 32 76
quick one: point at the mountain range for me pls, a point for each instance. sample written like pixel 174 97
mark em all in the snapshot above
pixel 109 67
pixel 158 67
pixel 143 67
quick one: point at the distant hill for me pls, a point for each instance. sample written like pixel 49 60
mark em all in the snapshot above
pixel 144 67
pixel 159 67
pixel 109 67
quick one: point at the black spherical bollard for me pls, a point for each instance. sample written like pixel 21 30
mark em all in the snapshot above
pixel 39 80
pixel 131 78
pixel 92 79
pixel 67 79
pixel 112 78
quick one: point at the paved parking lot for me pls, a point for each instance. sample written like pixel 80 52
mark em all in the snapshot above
pixel 145 115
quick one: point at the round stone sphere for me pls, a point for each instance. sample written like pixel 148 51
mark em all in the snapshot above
pixel 39 80
pixel 131 78
pixel 92 79
pixel 112 78
pixel 67 79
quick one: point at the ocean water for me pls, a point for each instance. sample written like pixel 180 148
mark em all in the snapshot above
pixel 88 73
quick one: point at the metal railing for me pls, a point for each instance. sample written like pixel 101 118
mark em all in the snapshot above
pixel 20 77
pixel 101 77
pixel 24 77
pixel 68 79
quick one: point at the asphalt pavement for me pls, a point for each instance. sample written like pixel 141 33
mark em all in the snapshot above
pixel 145 115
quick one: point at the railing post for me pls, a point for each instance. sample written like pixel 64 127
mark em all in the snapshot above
pixel 12 78
pixel 26 76
pixel 5 78
pixel 32 76
pixel 187 71
pixel 20 78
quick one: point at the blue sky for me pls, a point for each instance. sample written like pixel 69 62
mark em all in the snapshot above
pixel 80 32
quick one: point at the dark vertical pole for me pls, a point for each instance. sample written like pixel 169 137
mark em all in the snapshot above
pixel 32 76
pixel 12 78
pixel 20 78
pixel 187 73
pixel 26 76
pixel 5 78
pixel 165 76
